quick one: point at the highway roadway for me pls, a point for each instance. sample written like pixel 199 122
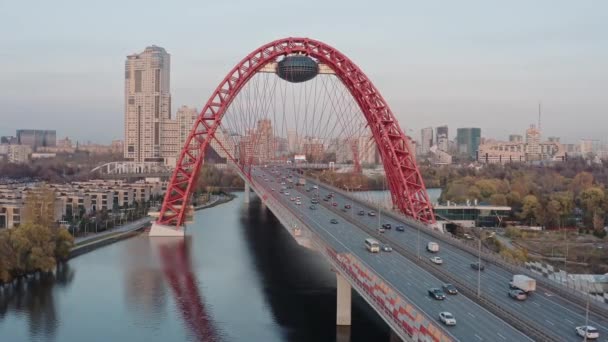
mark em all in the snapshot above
pixel 474 323
pixel 544 308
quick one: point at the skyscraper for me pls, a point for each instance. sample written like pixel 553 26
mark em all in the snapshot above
pixel 147 105
pixel 442 138
pixel 468 140
pixel 426 140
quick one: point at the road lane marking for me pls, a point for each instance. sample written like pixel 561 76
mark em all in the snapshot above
pixel 479 337
pixel 569 321
pixel 504 338
pixel 470 314
pixel 535 303
pixel 548 321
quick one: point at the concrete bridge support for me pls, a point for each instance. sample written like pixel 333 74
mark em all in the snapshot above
pixel 247 193
pixel 343 303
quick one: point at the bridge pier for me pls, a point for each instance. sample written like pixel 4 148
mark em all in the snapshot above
pixel 162 230
pixel 343 302
pixel 247 193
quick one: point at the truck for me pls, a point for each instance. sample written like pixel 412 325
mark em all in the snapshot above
pixel 523 282
pixel 432 247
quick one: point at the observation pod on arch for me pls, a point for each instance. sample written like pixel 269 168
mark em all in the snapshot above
pixel 300 60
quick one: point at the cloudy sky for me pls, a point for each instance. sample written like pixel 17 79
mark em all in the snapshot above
pixel 461 63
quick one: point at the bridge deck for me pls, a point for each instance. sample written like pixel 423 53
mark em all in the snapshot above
pixel 474 322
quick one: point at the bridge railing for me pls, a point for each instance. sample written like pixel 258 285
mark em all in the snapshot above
pixel 571 294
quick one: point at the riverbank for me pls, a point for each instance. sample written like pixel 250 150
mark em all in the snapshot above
pixel 89 243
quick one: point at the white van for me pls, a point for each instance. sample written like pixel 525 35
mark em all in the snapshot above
pixel 432 247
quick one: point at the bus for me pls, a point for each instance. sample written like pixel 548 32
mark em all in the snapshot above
pixel 372 245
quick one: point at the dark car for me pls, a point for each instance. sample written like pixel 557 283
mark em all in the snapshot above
pixel 518 294
pixel 436 293
pixel 313 207
pixel 387 226
pixel 478 266
pixel 334 221
pixel 314 201
pixel 326 199
pixel 361 213
pixel 348 206
pixel 450 289
pixel 335 204
pixel 400 228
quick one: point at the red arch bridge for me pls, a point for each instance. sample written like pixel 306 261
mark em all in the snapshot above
pixel 298 99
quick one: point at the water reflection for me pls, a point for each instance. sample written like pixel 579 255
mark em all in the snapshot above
pixel 33 297
pixel 176 264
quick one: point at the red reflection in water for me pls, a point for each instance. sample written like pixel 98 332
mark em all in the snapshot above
pixel 177 269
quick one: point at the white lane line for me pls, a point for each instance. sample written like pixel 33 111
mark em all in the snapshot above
pixel 470 314
pixel 535 303
pixel 504 338
pixel 479 337
pixel 569 321
pixel 548 321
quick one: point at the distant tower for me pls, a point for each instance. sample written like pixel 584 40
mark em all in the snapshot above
pixel 539 111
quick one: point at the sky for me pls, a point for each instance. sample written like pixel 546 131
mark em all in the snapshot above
pixel 462 63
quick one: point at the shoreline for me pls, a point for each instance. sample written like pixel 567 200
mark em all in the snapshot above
pixel 119 236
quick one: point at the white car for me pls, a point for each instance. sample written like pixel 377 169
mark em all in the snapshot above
pixel 592 332
pixel 298 203
pixel 436 260
pixel 447 318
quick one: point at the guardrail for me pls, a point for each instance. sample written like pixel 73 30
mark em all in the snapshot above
pixel 572 295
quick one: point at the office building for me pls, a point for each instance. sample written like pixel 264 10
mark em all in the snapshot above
pixel 468 140
pixel 426 140
pixel 442 138
pixel 35 138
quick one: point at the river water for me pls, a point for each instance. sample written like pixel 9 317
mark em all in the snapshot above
pixel 240 277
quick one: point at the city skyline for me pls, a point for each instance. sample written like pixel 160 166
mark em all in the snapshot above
pixel 480 74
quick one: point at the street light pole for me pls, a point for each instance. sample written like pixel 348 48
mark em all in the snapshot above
pixel 479 266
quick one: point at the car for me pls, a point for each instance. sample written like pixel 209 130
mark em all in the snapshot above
pixel 371 213
pixel 326 199
pixel 314 201
pixel 436 293
pixel 387 226
pixel 286 193
pixel 478 266
pixel 298 202
pixel 348 206
pixel 281 191
pixel 334 221
pixel 315 187
pixel 313 207
pixel 335 204
pixel 447 318
pixel 436 260
pixel 450 289
pixel 298 198
pixel 467 236
pixel 400 228
pixel 381 230
pixel 272 189
pixel 387 248
pixel 361 213
pixel 517 294
pixel 292 199
pixel 588 330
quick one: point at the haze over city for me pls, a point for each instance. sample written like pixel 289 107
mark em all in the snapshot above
pixel 470 63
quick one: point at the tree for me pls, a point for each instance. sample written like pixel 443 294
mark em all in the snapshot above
pixel 498 199
pixel 39 206
pixel 591 200
pixel 531 209
pixel 582 181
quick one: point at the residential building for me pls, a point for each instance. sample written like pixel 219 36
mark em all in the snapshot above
pixel 147 105
pixel 516 138
pixel 16 153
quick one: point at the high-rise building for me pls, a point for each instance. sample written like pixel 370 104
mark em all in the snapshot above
pixel 468 140
pixel 516 138
pixel 426 140
pixel 35 138
pixel 442 138
pixel 257 146
pixel 293 141
pixel 148 105
pixel 533 143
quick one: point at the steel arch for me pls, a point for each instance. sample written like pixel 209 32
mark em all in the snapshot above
pixel 405 182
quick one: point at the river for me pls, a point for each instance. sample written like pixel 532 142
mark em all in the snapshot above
pixel 239 277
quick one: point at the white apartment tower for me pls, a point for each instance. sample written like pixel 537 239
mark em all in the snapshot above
pixel 426 140
pixel 147 105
